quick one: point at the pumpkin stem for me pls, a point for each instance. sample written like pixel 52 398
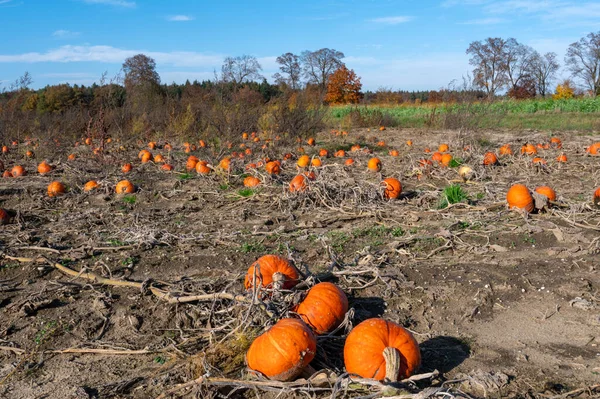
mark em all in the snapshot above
pixel 392 364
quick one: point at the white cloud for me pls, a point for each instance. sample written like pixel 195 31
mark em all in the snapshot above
pixel 400 19
pixel 5 1
pixel 64 34
pixel 483 21
pixel 109 54
pixel 180 18
pixel 116 3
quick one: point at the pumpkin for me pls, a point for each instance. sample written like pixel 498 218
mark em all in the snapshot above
pixel 88 141
pixel 374 165
pixel 143 153
pixel 594 149
pixel 303 161
pixel 340 154
pixel 310 175
pixel 381 128
pixel 273 168
pixel 44 168
pixel 283 351
pixel 251 181
pixel 147 157
pixel 203 168
pixel 4 217
pixel 316 163
pixel 225 164
pixel 152 145
pixel 355 148
pixel 7 174
pixel 126 168
pixel 490 159
pixel 596 197
pixel 393 188
pixel 298 183
pixel 436 156
pixel 394 153
pixel 324 307
pixel 349 162
pixel 446 159
pixel 310 141
pixel 539 161
pixel 466 172
pixel 561 158
pixel 71 157
pixel 528 149
pixel 556 142
pixel 29 154
pixel 381 143
pixel 159 159
pixel 271 269
pixel 5 149
pixel 167 167
pixel 547 191
pixel 443 148
pixel 56 188
pixel 409 143
pixel 370 348
pixel 324 153
pixel 125 187
pixel 427 150
pixel 518 196
pixel 89 186
pixel 425 163
pixel 17 171
pixel 244 136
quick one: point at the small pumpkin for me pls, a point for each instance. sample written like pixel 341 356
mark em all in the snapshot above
pixel 443 148
pixel 271 269
pixel 374 164
pixel 191 162
pixel 528 149
pixel 44 168
pixel 518 196
pixel 5 149
pixel 562 158
pixel 436 157
pixel 303 161
pixel 283 351
pixel 409 143
pixel 7 174
pixel 298 183
pixel 324 307
pixel 394 153
pixel 381 143
pixel 547 191
pixel 596 197
pixel 159 159
pixel 490 159
pixel 340 154
pixel 381 128
pixel 316 163
pixel 147 157
pixel 393 188
pixel 143 153
pixel 167 167
pixel 251 181
pixel 371 345
pixel 556 142
pixel 446 159
pixel 55 189
pixel 152 145
pixel 539 161
pixel 355 148
pixel 125 187
pixel 466 172
pixel 324 153
pixel 29 154
pixel 4 217
pixel 349 162
pixel 18 171
pixel 71 157
pixel 225 164
pixel 310 141
pixel 126 168
pixel 203 168
pixel 273 168
pixel 89 186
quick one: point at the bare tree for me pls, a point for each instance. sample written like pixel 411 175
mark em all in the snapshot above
pixel 291 69
pixel 320 64
pixel 140 70
pixel 517 60
pixel 583 60
pixel 22 82
pixel 543 71
pixel 241 69
pixel 488 58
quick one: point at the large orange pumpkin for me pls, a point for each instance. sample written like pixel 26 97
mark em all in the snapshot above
pixel 56 188
pixel 44 168
pixel 324 307
pixel 374 165
pixel 125 187
pixel 393 188
pixel 203 168
pixel 365 346
pixel 547 191
pixel 594 149
pixel 298 183
pixel 283 351
pixel 270 268
pixel 251 181
pixel 518 196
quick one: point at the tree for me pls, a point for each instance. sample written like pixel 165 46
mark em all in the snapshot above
pixel 583 60
pixel 517 62
pixel 488 58
pixel 140 70
pixel 344 87
pixel 319 65
pixel 564 90
pixel 543 71
pixel 291 70
pixel 238 70
pixel 524 89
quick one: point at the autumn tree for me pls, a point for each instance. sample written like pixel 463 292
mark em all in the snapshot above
pixel 543 71
pixel 488 57
pixel 583 60
pixel 343 87
pixel 291 70
pixel 238 70
pixel 140 70
pixel 319 65
pixel 564 90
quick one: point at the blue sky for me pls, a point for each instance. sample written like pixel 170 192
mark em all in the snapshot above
pixel 410 44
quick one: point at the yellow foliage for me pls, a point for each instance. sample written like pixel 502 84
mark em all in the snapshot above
pixel 564 91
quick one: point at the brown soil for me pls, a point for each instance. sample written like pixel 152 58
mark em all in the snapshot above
pixel 502 305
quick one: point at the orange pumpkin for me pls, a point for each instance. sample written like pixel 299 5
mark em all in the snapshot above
pixel 547 191
pixel 436 157
pixel 159 159
pixel 124 187
pixel 381 143
pixel 147 157
pixel 283 351
pixel 89 186
pixel 270 269
pixel 446 159
pixel 316 163
pixel 152 145
pixel 393 188
pixel 490 159
pixel 88 141
pixel 303 161
pixel 5 149
pixel 381 128
pixel 310 141
pixel 203 168
pixel 561 158
pixel 4 217
pixel 355 148
pixel 167 167
pixel 225 164
pixel 349 162
pixel 310 175
pixel 528 149
pixel 44 168
pixel 126 168
pixel 443 148
pixel 251 181
pixel 340 154
pixel 55 189
pixel 365 346
pixel 29 154
pixel 394 153
pixel 18 171
pixel 324 307
pixel 374 165
pixel 7 174
pixel 71 157
pixel 298 183
pixel 324 153
pixel 556 142
pixel 202 143
pixel 518 196
pixel 273 168
pixel 143 153
pixel 539 161
pixel 596 197
pixel 409 143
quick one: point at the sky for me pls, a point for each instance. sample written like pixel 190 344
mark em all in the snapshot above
pixel 394 44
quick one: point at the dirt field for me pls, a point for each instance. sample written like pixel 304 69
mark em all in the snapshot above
pixel 502 305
